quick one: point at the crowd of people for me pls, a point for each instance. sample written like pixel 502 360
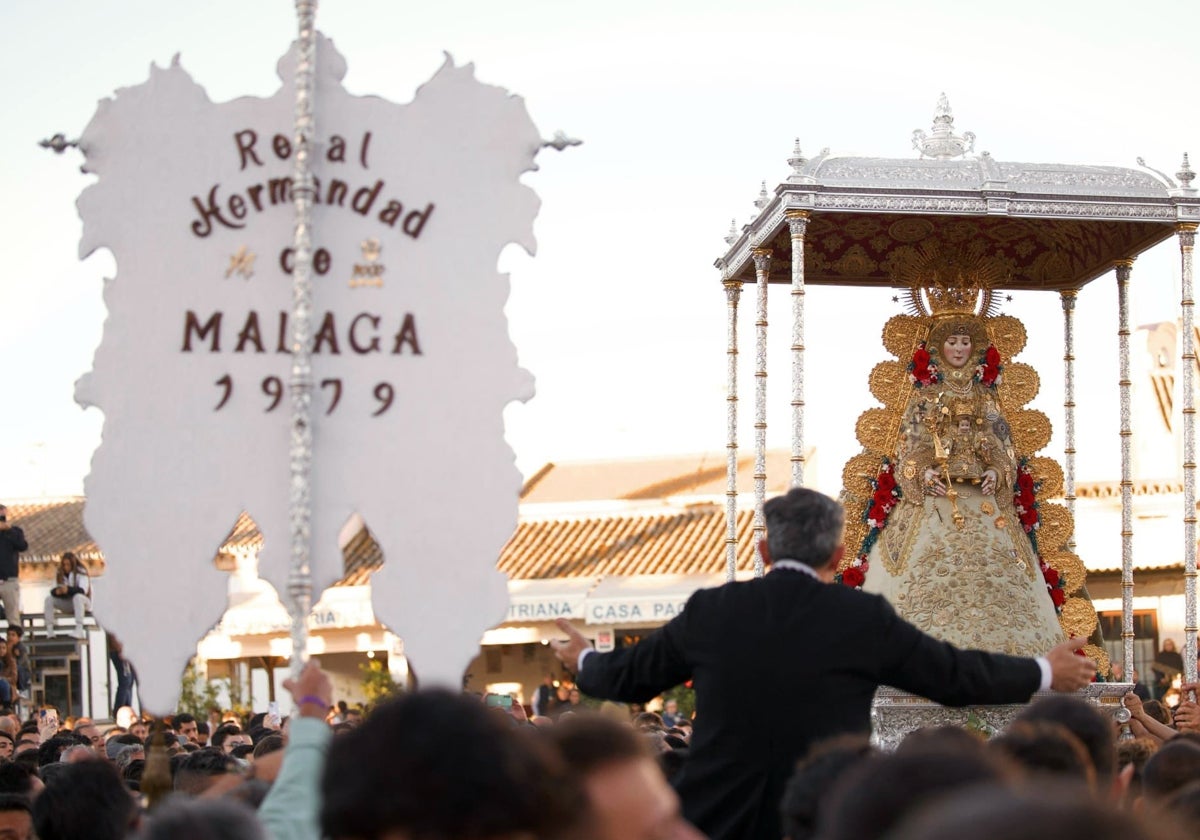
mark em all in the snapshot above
pixel 453 766
pixel 435 764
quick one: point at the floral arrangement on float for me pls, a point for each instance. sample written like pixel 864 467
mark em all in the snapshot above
pixel 885 495
pixel 1026 505
pixel 923 370
pixel 987 372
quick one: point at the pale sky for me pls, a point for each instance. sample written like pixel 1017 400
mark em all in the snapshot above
pixel 684 107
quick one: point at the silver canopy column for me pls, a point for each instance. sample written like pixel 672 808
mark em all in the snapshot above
pixel 1187 241
pixel 762 274
pixel 733 291
pixel 1124 267
pixel 798 222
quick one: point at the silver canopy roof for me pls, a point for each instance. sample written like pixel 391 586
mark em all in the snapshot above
pixel 1051 226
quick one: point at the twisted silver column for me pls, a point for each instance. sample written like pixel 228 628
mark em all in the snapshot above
pixel 1124 267
pixel 300 453
pixel 1068 306
pixel 762 273
pixel 798 222
pixel 1187 242
pixel 733 291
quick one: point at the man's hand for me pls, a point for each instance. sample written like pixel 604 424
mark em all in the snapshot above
pixel 1133 703
pixel 1069 672
pixel 1187 717
pixel 312 691
pixel 568 651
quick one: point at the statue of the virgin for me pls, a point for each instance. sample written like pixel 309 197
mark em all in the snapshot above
pixel 944 506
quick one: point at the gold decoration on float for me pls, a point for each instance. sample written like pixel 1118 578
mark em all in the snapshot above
pixel 876 429
pixel 1008 334
pixel 1078 617
pixel 889 384
pixel 1050 474
pixel 1069 567
pixel 1019 385
pixel 901 334
pixel 1055 528
pixel 856 532
pixel 1100 656
pixel 1031 430
pixel 856 474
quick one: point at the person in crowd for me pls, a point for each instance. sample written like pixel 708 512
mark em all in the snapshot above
pixel 8 746
pixel 670 713
pixel 186 726
pixel 141 729
pixel 85 728
pixel 228 736
pixel 543 698
pixel 8 674
pixel 181 818
pixel 15 778
pixel 1044 749
pixel 627 796
pixel 72 593
pixel 429 764
pixel 727 637
pixel 12 543
pixel 16 648
pixel 816 775
pixel 880 793
pixel 1093 729
pixel 86 799
pixel 16 817
pixel 1175 765
pixel 201 770
pixel 1167 665
pixel 1134 753
pixel 1042 812
pixel 126 675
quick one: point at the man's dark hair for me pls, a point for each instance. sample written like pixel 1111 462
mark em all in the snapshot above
pixel 1184 806
pixel 1158 711
pixel 1085 722
pixel 28 760
pixel 1174 765
pixel 10 738
pixel 1059 810
pixel 649 722
pixel 256 721
pixel 816 775
pixel 1136 753
pixel 182 718
pixel 268 745
pixel 257 733
pixel 878 795
pixel 17 629
pixel 805 526
pixel 202 727
pixel 590 741
pixel 15 802
pixel 49 752
pixel 15 779
pixel 197 770
pixel 86 799
pixel 437 764
pixel 242 751
pixel 182 818
pixel 223 732
pixel 1046 749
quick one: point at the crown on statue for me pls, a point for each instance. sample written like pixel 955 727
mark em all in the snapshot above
pixel 946 279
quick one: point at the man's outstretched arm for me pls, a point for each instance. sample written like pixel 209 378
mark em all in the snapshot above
pixel 630 675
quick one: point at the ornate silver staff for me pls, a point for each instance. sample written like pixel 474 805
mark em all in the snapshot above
pixel 300 453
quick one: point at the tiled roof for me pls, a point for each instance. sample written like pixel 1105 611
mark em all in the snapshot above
pixel 684 541
pixel 651 478
pixel 52 527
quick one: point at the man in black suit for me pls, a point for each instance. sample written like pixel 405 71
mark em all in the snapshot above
pixel 823 649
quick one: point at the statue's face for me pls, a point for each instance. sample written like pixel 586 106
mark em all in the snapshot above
pixel 957 350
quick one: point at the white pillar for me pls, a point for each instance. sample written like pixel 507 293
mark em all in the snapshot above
pixel 1187 242
pixel 733 291
pixel 1124 267
pixel 762 273
pixel 798 222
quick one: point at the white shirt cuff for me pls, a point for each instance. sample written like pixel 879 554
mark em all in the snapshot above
pixel 1043 663
pixel 584 655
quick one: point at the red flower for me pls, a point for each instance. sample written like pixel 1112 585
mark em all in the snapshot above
pixel 992 358
pixel 1057 596
pixel 885 484
pixel 1025 482
pixel 877 515
pixel 920 357
pixel 853 576
pixel 1051 576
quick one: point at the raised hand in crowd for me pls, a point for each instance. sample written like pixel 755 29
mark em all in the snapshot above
pixel 1069 671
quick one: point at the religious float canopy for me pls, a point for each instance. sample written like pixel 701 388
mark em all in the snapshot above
pixel 945 219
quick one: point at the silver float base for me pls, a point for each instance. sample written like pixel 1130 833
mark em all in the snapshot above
pixel 896 713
